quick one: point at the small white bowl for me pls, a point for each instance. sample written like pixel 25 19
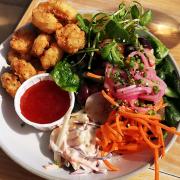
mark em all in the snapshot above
pixel 22 89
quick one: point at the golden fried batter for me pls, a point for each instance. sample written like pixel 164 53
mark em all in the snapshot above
pixel 10 82
pixel 22 40
pixel 23 69
pixel 14 55
pixel 51 56
pixel 40 43
pixel 44 20
pixel 63 10
pixel 44 6
pixel 70 38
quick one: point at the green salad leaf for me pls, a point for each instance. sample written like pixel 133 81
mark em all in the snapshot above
pixel 64 77
pixel 172 113
pixel 160 50
pixel 111 53
pixel 116 31
pixel 135 12
pixel 146 18
pixel 166 71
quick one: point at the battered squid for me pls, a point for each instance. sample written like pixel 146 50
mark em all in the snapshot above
pixel 63 10
pixel 43 19
pixel 24 70
pixel 14 55
pixel 40 43
pixel 51 56
pixel 70 38
pixel 10 82
pixel 22 40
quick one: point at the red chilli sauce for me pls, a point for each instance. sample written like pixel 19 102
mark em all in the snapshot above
pixel 44 102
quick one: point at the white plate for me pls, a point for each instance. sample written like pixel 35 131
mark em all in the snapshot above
pixel 29 147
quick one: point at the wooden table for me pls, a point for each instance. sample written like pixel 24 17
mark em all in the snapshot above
pixel 170 165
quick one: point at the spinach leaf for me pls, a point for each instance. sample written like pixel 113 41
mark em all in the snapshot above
pixel 64 77
pixel 120 14
pixel 135 12
pixel 172 113
pixel 111 53
pixel 166 71
pixel 160 50
pixel 165 68
pixel 116 31
pixel 169 92
pixel 146 18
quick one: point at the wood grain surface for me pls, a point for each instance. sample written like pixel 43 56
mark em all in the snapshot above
pixel 165 9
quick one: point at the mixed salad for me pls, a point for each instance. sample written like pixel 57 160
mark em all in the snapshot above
pixel 126 88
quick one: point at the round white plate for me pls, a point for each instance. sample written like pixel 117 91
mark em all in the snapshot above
pixel 29 147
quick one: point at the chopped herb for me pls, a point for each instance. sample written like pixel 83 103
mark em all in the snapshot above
pixel 138 60
pixel 139 81
pixel 145 74
pixel 156 89
pixel 120 101
pixel 151 112
pixel 141 104
pixel 141 66
pixel 131 64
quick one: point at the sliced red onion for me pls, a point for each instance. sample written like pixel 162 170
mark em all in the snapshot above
pixel 139 109
pixel 143 58
pixel 151 58
pixel 133 88
pixel 126 88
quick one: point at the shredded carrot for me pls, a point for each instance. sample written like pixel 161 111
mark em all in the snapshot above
pixel 126 131
pixel 160 105
pixel 151 145
pixel 142 122
pixel 169 129
pixel 110 166
pixel 161 141
pixel 95 76
pixel 110 99
pixel 104 136
pixel 118 124
pixel 139 115
pixel 156 163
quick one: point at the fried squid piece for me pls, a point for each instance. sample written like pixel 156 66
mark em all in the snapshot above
pixel 44 20
pixel 22 40
pixel 14 55
pixel 70 38
pixel 10 82
pixel 24 70
pixel 40 43
pixel 51 56
pixel 63 10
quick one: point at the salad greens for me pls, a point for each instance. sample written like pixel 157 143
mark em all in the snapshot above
pixel 167 72
pixel 160 50
pixel 172 113
pixel 65 77
pixel 111 53
pixel 121 28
